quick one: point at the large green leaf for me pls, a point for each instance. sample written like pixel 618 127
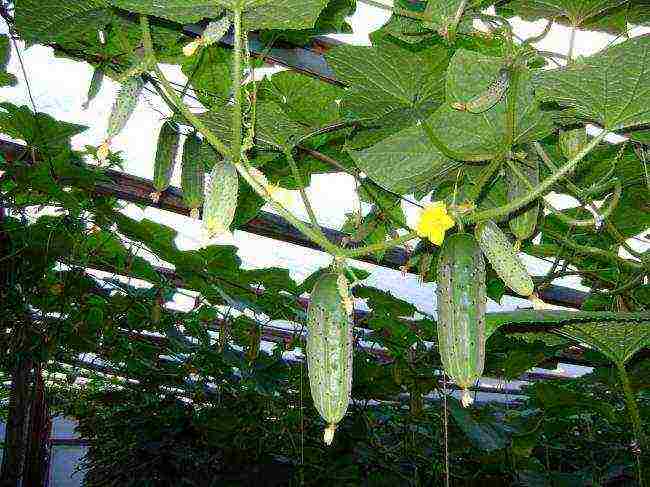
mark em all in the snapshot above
pixel 210 73
pixel 51 21
pixel 405 162
pixel 388 77
pixel 576 12
pixel 181 11
pixel 283 14
pixel 38 130
pixel 481 433
pixel 557 318
pixel 303 99
pixel 482 136
pixel 617 340
pixel 610 88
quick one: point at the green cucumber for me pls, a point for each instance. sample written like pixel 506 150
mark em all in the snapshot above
pixel 329 350
pixel 501 254
pixel 461 295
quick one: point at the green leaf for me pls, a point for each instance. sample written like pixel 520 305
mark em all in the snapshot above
pixel 404 162
pixel 181 11
pixel 275 127
pixel 387 77
pixel 210 73
pixel 480 136
pixel 617 340
pixel 42 22
pixel 303 99
pixel 38 130
pixel 574 11
pixel 610 87
pixel 556 318
pixel 283 14
pixel 482 434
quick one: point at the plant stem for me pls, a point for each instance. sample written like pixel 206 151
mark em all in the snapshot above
pixel 633 410
pixel 236 84
pixel 301 188
pixel 511 108
pixel 388 244
pixel 503 211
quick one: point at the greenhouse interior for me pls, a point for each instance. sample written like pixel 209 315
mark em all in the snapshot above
pixel 325 242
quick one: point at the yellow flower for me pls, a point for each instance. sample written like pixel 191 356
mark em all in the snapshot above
pixel 434 222
pixel 190 49
pixel 103 151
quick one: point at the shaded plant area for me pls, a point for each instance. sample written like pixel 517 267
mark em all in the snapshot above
pixel 563 434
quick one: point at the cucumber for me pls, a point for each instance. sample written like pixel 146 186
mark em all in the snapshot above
pixel 499 251
pixel 461 295
pixel 124 105
pixel 168 143
pixel 524 223
pixel 329 350
pixel 192 175
pixel 220 201
pixel 572 141
pixel 493 95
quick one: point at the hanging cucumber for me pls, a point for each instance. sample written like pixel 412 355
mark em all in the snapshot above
pixel 329 349
pixel 572 141
pixel 192 175
pixel 94 87
pixel 123 108
pixel 499 251
pixel 523 224
pixel 461 296
pixel 220 201
pixel 493 95
pixel 168 143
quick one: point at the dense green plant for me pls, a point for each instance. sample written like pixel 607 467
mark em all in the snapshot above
pixel 433 107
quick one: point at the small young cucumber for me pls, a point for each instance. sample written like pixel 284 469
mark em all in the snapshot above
pixel 166 151
pixel 524 223
pixel 572 141
pixel 493 95
pixel 220 202
pixel 329 350
pixel 499 251
pixel 192 175
pixel 461 296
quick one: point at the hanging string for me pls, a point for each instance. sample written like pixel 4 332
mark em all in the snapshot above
pixel 445 426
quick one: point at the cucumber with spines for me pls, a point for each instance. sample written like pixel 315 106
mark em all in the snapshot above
pixel 329 350
pixel 501 254
pixel 166 152
pixel 220 202
pixel 192 174
pixel 461 301
pixel 124 105
pixel 490 97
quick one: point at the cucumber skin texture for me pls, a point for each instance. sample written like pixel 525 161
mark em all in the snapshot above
pixel 124 105
pixel 499 251
pixel 493 95
pixel 329 350
pixel 462 298
pixel 220 202
pixel 168 144
pixel 523 224
pixel 192 174
pixel 572 141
